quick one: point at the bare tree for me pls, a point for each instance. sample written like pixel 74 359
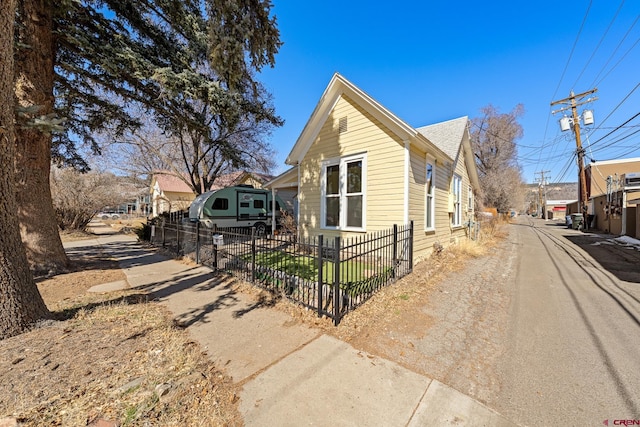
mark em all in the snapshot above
pixel 493 136
pixel 77 197
pixel 195 156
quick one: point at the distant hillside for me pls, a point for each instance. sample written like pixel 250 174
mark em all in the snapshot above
pixel 558 191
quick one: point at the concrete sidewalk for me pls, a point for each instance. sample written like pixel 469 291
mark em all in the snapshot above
pixel 290 374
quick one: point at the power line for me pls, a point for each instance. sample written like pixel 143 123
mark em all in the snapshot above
pixel 616 129
pixel 599 44
pixel 617 140
pixel 614 52
pixel 618 63
pixel 575 43
pixel 565 169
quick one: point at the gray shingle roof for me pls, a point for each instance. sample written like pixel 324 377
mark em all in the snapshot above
pixel 446 135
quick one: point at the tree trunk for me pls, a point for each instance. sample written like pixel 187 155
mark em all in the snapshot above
pixel 34 87
pixel 20 302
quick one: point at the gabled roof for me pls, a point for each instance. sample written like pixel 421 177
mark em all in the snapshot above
pixel 337 87
pixel 235 178
pixel 441 139
pixel 226 180
pixel 452 136
pixel 288 178
pixel 168 181
pixel 447 135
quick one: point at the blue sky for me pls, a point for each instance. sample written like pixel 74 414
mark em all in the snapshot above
pixel 430 61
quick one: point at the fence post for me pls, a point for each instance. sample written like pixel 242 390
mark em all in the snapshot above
pixel 411 246
pixel 177 238
pixel 215 253
pixel 198 242
pixel 395 250
pixel 336 282
pixel 163 224
pixel 215 248
pixel 320 278
pixel 253 254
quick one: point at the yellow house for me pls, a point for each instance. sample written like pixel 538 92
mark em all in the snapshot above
pixel 359 168
pixel 169 193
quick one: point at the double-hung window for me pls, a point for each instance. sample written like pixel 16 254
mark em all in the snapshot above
pixel 456 191
pixel 429 191
pixel 343 193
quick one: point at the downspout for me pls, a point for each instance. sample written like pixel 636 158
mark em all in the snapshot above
pixel 407 160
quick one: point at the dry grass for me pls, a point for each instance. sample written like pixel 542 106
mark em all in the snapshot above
pixel 125 225
pixel 114 357
pixel 469 248
pixel 113 362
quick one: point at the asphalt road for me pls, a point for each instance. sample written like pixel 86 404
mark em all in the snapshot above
pixel 572 350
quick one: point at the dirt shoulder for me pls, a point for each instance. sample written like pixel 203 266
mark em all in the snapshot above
pixel 114 357
pixel 447 320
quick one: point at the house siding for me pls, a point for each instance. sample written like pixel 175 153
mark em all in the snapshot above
pixel 385 179
pixel 444 232
pixel 385 168
pixel 395 155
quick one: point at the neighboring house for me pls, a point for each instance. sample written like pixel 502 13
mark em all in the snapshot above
pixel 611 200
pixel 359 168
pixel 170 193
pixel 254 179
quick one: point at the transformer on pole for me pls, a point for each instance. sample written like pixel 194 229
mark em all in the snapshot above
pixel 566 123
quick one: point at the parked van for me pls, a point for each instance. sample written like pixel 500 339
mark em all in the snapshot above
pixel 240 206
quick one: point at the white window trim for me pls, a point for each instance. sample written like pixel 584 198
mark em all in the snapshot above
pixel 342 162
pixel 432 209
pixel 456 220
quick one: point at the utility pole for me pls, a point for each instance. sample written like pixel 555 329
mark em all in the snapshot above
pixel 573 102
pixel 543 187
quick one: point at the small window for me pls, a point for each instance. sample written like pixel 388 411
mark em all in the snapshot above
pixel 456 190
pixel 258 204
pixel 429 208
pixel 220 204
pixel 244 204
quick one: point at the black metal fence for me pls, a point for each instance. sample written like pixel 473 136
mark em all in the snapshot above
pixel 330 275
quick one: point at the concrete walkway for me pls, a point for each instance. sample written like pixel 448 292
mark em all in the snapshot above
pixel 291 375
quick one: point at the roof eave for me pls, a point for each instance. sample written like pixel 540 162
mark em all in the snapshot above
pixel 336 88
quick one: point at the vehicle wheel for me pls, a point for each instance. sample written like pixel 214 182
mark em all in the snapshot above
pixel 105 216
pixel 261 228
